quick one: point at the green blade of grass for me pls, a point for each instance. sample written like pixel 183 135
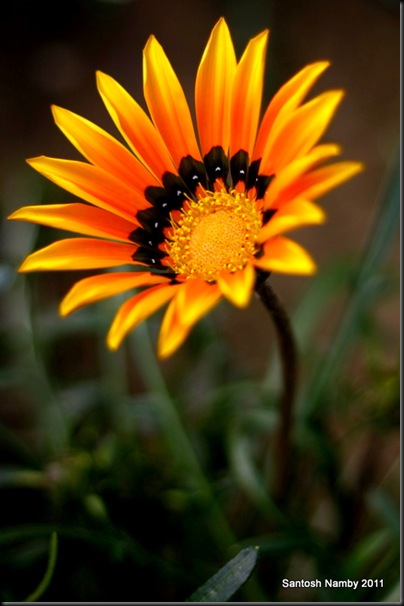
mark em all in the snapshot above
pixel 367 285
pixel 228 579
pixel 43 585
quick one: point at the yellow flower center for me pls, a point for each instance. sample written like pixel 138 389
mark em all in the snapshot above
pixel 218 232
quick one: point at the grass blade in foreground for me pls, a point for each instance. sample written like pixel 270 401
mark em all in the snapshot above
pixel 49 570
pixel 228 579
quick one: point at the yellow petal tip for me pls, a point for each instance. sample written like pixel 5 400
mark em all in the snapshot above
pixel 113 342
pixel 14 215
pixel 166 347
pixel 151 42
pixel 35 161
pixel 65 308
pixel 24 267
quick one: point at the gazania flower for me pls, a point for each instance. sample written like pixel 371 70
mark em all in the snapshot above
pixel 193 215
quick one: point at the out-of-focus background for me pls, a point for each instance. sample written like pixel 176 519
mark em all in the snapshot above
pixel 71 458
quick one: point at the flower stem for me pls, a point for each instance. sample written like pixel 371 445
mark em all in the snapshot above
pixel 288 354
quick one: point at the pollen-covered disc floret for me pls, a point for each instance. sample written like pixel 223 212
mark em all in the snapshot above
pixel 217 233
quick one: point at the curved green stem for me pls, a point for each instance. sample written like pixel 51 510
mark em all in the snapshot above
pixel 49 570
pixel 288 354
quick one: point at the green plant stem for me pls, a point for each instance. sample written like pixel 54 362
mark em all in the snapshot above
pixel 43 585
pixel 288 354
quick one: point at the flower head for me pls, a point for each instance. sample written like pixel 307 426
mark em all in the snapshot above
pixel 194 214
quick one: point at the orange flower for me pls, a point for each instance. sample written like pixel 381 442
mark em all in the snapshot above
pixel 194 217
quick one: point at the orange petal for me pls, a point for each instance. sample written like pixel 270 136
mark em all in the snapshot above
pixel 318 182
pixel 213 89
pixel 278 191
pixel 285 256
pixel 167 103
pixel 92 289
pixel 137 309
pixel 100 148
pixel 300 133
pixel 77 217
pixel 94 185
pixel 247 95
pixel 79 253
pixel 172 332
pixel 194 299
pixel 297 213
pixel 286 100
pixel 135 126
pixel 238 286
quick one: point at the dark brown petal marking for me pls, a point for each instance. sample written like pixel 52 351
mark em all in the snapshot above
pixel 239 164
pixel 193 173
pixel 217 166
pixel 261 182
pixel 150 257
pixel 150 235
pixel 161 200
pixel 155 219
pixel 176 190
pixel 253 174
pixel 267 215
pixel 146 238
